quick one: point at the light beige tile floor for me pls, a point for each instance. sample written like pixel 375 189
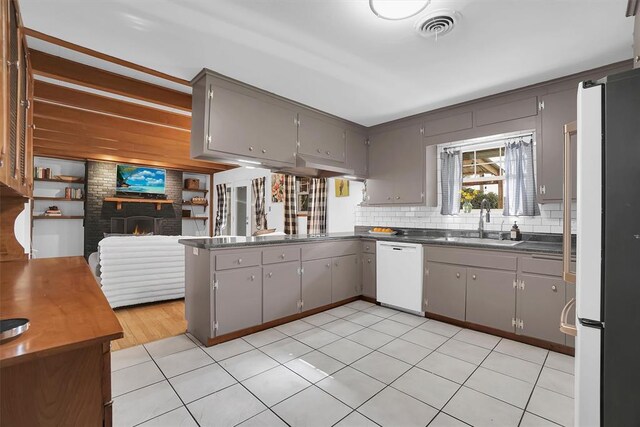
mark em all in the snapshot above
pixel 355 365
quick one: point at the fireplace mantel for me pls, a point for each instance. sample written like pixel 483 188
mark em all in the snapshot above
pixel 120 200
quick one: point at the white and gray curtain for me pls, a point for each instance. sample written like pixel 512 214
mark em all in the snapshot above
pixel 290 225
pixel 520 180
pixel 257 186
pixel 317 220
pixel 222 203
pixel 451 181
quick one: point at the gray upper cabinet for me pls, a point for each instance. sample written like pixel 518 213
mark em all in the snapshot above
pixel 231 121
pixel 321 136
pixel 491 298
pixel 539 304
pixel 357 152
pixel 316 283
pixel 281 290
pixel 557 109
pixel 445 290
pixel 504 112
pixel 396 166
pixel 238 299
pixel 345 278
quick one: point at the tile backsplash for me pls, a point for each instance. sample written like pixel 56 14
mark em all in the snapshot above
pixel 549 221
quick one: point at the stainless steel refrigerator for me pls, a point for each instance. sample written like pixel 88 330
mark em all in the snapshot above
pixel 608 252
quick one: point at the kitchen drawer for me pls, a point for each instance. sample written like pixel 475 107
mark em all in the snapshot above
pixel 237 260
pixel 546 265
pixel 330 249
pixel 281 254
pixel 369 247
pixel 472 258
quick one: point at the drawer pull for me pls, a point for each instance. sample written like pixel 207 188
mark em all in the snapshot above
pixel 554 288
pixel 282 256
pixel 250 148
pixel 457 275
pixel 270 274
pixel 328 265
pixel 474 277
pixel 264 151
pixel 369 260
pixel 253 277
pixel 239 260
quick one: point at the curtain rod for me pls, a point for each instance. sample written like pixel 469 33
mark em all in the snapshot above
pixel 488 140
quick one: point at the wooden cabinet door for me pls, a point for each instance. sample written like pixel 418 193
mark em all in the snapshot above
pixel 369 275
pixel 281 290
pixel 409 164
pixel 238 299
pixel 345 278
pixel 357 152
pixel 247 125
pixel 491 298
pixel 316 283
pixel 445 290
pixel 321 137
pixel 539 304
pixel 559 108
pixel 396 166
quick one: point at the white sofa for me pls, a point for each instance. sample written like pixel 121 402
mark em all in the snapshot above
pixel 139 269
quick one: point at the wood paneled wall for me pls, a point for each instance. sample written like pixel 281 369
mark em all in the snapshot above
pixel 73 123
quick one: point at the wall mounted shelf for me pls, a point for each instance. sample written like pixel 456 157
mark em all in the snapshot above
pixel 63 199
pixel 120 200
pixel 58 217
pixel 204 205
pixel 204 218
pixel 196 190
pixel 62 181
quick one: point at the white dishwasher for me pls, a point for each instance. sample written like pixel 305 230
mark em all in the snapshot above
pixel 399 275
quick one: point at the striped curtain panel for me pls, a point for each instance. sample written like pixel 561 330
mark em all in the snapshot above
pixel 451 182
pixel 290 226
pixel 520 180
pixel 257 185
pixel 317 220
pixel 221 212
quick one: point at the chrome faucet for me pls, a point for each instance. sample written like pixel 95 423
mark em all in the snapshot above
pixel 485 204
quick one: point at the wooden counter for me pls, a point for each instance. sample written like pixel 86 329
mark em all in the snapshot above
pixel 59 371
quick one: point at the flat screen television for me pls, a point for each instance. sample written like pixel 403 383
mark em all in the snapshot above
pixel 140 180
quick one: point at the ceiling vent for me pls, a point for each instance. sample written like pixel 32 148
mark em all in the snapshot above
pixel 437 23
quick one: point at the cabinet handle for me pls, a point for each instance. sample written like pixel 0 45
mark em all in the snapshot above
pixel 250 148
pixel 253 277
pixel 397 197
pixel 554 288
pixel 473 277
pixel 239 260
pixel 328 153
pixel 457 275
pixel 328 265
pixel 369 260
pixel 282 256
pixel 388 198
pixel 264 151
pixel 270 274
pixel 336 263
pixel 318 150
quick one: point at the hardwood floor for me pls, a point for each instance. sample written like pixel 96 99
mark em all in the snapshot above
pixel 150 322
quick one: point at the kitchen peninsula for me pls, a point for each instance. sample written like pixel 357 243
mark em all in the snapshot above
pixel 239 285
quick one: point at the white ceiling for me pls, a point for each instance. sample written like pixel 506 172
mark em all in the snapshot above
pixel 335 55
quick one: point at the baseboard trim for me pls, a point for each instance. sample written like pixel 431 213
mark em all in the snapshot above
pixel 248 331
pixel 548 345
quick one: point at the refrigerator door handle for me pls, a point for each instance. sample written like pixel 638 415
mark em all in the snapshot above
pixel 566 327
pixel 568 276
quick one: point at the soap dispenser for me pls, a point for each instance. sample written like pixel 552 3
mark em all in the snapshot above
pixel 515 232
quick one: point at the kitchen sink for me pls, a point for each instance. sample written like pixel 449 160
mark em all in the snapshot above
pixel 476 240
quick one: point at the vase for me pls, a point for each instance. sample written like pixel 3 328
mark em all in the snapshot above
pixel 467 206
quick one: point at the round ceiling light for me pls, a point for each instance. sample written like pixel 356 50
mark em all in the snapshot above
pixel 397 9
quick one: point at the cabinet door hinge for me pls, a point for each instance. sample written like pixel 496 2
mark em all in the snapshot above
pixel 426 302
pixel 214 285
pixel 210 94
pixel 426 271
pixel 300 271
pixel 540 105
pixel 367 141
pixel 522 285
pixel 301 303
pixel 422 130
pixel 543 189
pixel 514 322
pixel 215 326
pixel 520 324
pixel 515 283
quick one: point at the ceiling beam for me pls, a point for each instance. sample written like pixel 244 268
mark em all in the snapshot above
pixel 103 56
pixel 68 71
pixel 74 115
pixel 76 98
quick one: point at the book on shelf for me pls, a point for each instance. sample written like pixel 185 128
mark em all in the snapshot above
pixel 73 193
pixel 42 173
pixel 53 211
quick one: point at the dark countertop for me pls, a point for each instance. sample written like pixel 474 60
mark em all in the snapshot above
pixel 538 243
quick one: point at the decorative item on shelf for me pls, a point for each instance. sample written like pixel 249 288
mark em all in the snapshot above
pixel 342 187
pixel 192 184
pixel 198 201
pixel 186 213
pixel 277 187
pixel 53 211
pixel 69 178
pixel 265 231
pixel 466 196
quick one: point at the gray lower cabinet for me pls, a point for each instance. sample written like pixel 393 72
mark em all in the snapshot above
pixel 316 283
pixel 369 275
pixel 445 290
pixel 540 301
pixel 281 290
pixel 491 298
pixel 237 299
pixel 345 278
